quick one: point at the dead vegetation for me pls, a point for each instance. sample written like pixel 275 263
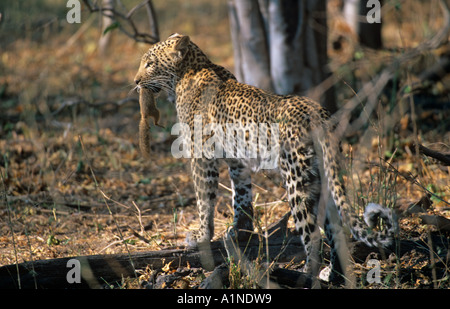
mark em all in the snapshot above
pixel 74 183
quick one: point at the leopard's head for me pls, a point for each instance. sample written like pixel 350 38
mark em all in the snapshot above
pixel 160 65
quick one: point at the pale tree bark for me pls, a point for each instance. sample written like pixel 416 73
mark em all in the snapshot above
pixel 281 46
pixel 107 21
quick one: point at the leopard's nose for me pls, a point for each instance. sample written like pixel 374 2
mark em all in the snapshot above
pixel 137 81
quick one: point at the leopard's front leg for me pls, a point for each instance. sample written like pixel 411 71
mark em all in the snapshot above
pixel 241 184
pixel 205 175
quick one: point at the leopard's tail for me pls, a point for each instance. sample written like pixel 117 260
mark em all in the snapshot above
pixel 361 230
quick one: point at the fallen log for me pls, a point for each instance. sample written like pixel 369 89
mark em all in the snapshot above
pixel 98 271
pixel 442 157
pixel 95 271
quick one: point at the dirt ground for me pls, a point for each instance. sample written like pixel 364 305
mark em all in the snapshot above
pixel 73 181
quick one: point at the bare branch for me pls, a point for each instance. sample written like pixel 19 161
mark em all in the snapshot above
pixel 149 38
pixel 444 158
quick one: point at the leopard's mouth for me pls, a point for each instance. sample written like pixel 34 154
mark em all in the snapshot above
pixel 155 88
pixel 152 87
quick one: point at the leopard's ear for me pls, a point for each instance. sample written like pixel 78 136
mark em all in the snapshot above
pixel 180 48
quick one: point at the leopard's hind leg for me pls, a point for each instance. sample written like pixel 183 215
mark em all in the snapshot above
pixel 299 169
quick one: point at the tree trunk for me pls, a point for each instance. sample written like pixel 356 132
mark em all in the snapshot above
pixel 369 33
pixel 281 46
pixel 105 39
pixel 355 13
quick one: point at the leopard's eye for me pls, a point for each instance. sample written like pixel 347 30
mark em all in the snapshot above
pixel 148 64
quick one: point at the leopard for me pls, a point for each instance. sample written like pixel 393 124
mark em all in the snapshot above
pixel 306 153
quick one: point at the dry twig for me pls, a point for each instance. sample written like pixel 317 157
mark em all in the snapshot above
pixel 149 38
pixel 444 158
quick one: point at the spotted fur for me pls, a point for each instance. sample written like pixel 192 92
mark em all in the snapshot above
pixel 202 88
